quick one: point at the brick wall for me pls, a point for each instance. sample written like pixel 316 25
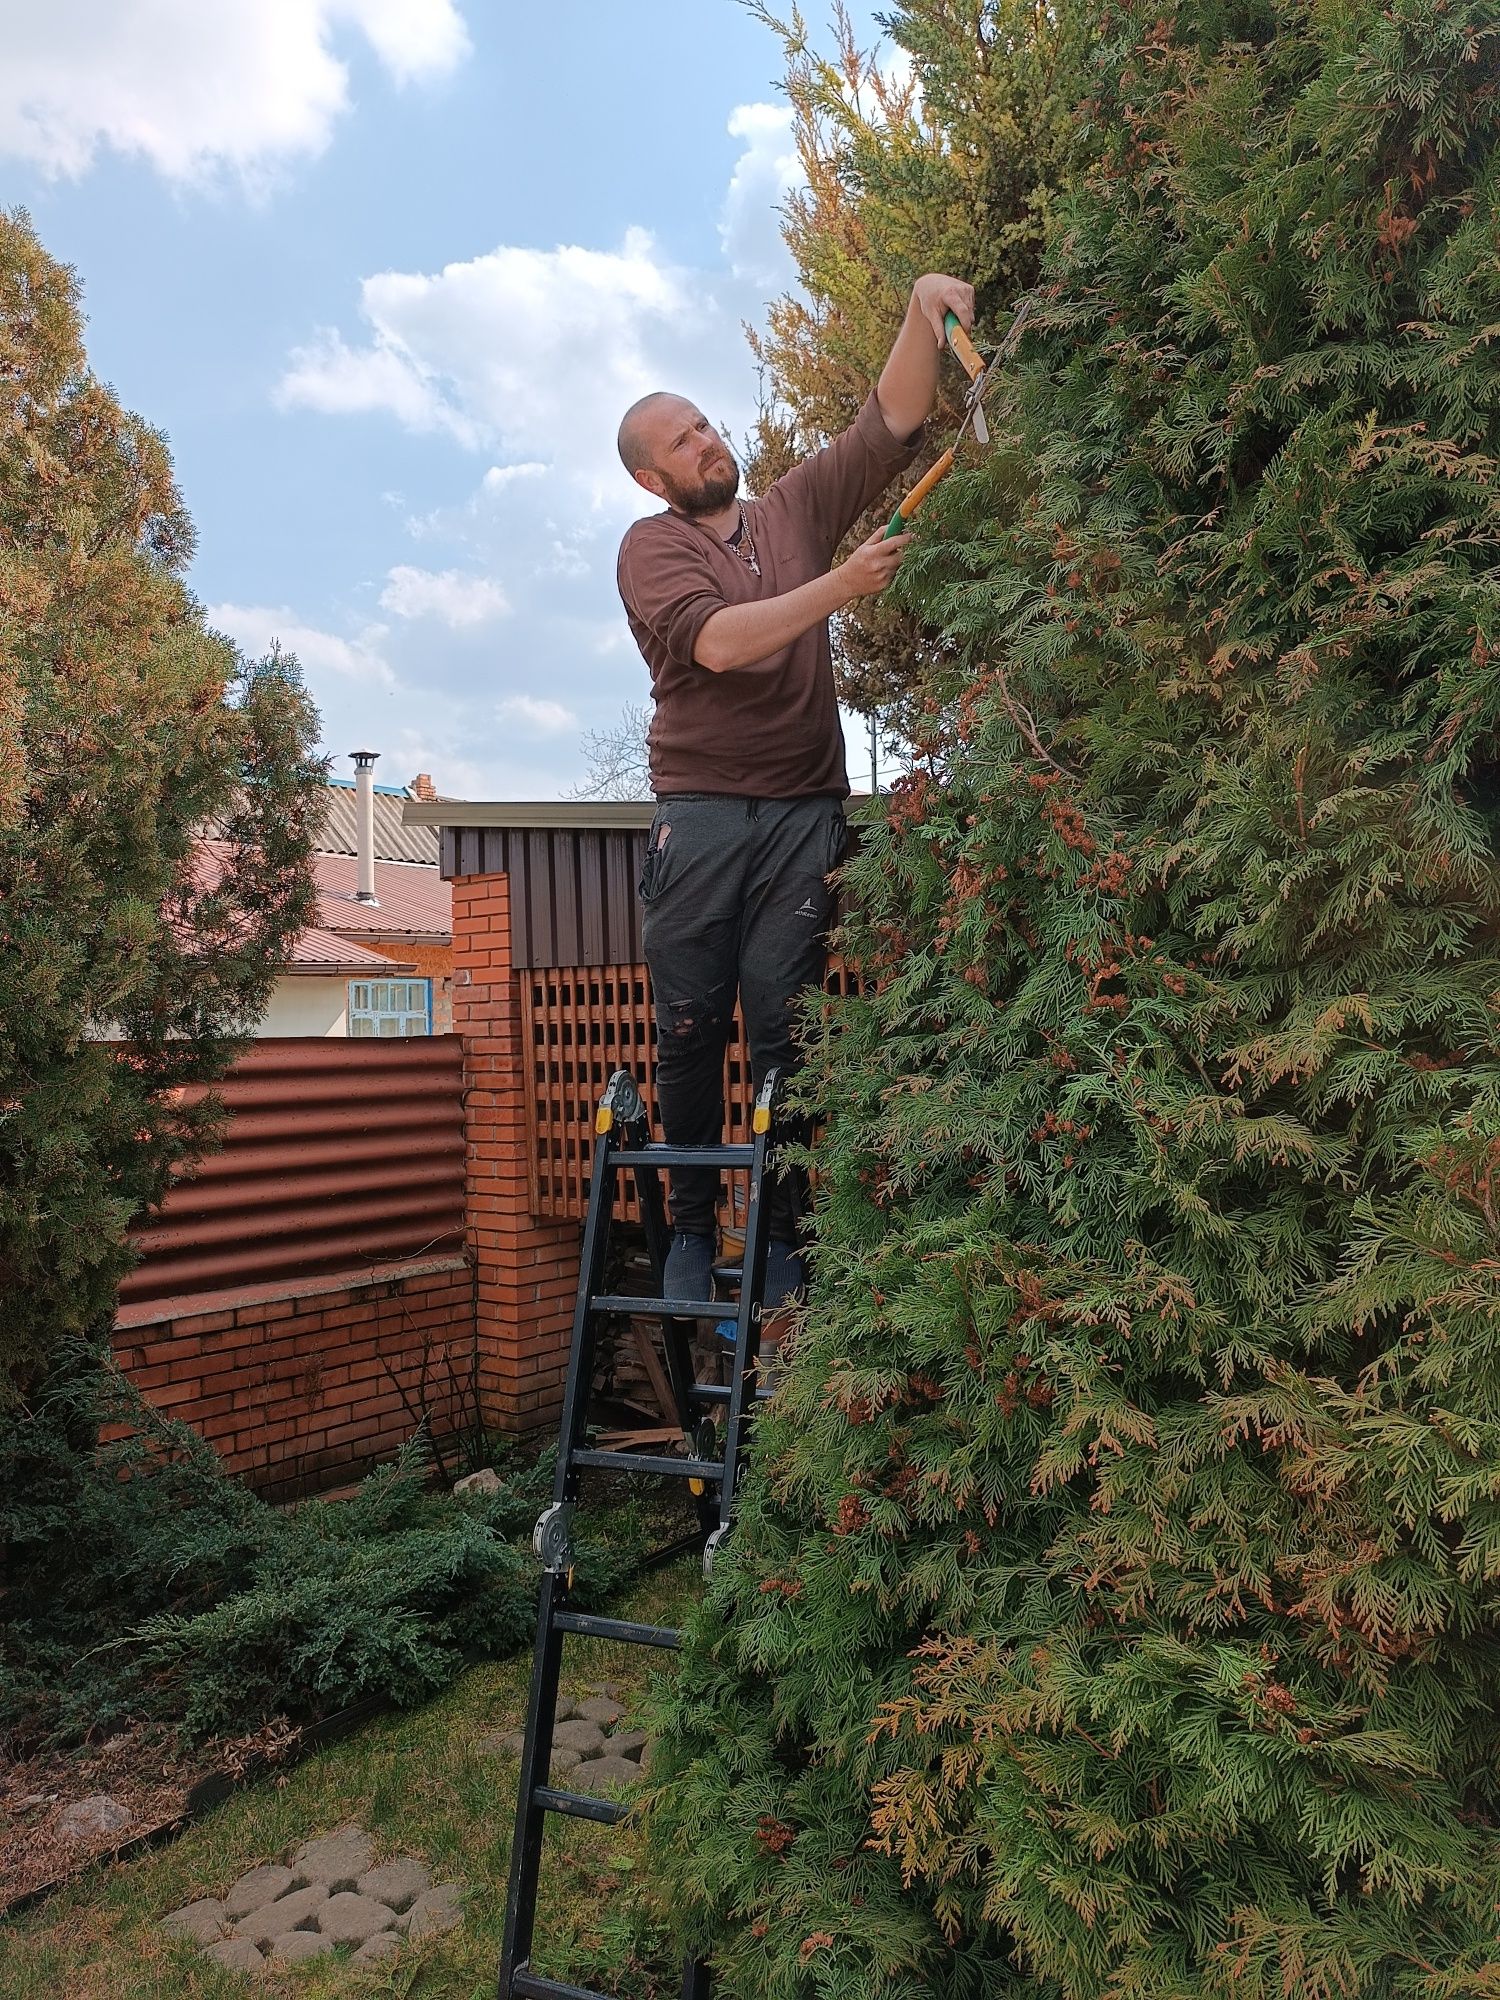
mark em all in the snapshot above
pixel 525 1270
pixel 300 1386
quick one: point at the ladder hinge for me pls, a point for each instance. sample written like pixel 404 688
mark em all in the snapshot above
pixel 553 1539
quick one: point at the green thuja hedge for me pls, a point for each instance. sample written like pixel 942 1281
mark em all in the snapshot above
pixel 1114 1612
pixel 143 1585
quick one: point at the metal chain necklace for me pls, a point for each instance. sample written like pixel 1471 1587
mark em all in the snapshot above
pixel 743 546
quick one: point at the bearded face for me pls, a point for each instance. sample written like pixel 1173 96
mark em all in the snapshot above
pixel 711 488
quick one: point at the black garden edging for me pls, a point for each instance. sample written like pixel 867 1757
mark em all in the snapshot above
pixel 209 1793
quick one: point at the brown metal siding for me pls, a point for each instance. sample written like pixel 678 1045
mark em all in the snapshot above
pixel 572 889
pixel 337 1155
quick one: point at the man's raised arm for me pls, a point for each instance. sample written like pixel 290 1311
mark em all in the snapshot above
pixel 908 383
pixel 741 634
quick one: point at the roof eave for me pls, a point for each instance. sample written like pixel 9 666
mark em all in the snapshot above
pixel 603 814
pixel 581 815
pixel 351 969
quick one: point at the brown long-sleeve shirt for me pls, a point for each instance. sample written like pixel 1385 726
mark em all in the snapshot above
pixel 769 730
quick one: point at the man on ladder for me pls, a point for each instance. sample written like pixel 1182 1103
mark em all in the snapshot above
pixel 729 602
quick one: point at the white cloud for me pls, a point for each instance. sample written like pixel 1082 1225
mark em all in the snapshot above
pixel 535 351
pixel 541 718
pixel 448 594
pixel 764 175
pixel 499 477
pixel 346 381
pixel 201 88
pixel 253 626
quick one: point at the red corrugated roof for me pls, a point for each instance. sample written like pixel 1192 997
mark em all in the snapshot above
pixel 414 902
pixel 322 951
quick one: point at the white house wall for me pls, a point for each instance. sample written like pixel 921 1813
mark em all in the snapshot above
pixel 305 1006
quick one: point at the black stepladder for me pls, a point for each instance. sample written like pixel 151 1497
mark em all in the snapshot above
pixel 711 1466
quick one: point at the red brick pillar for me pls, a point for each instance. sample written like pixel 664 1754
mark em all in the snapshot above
pixel 526 1271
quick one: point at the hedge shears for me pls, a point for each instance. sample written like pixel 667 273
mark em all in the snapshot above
pixel 970 360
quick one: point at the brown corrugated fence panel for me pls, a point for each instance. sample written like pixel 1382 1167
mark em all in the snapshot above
pixel 336 1155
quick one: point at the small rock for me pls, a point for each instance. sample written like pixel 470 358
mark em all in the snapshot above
pixel 648 1755
pixel 626 1743
pixel 384 1944
pixel 567 1708
pixel 602 1774
pixel 611 1690
pixel 238 1954
pixel 601 1710
pixel 87 1819
pixel 587 1738
pixel 564 1761
pixel 286 1913
pixel 292 1945
pixel 337 1860
pixel 349 1919
pixel 202 1921
pixel 261 1885
pixel 397 1884
pixel 439 1910
pixel 486 1480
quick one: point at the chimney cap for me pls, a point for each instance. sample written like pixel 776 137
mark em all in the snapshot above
pixel 364 760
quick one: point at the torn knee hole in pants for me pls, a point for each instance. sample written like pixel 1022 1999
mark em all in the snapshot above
pixel 689 1022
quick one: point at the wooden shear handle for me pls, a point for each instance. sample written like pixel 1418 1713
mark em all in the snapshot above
pixel 918 494
pixel 964 351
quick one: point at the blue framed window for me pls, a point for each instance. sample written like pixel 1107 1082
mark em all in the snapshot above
pixel 388 1007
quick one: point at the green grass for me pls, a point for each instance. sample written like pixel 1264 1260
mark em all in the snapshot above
pixel 418 1785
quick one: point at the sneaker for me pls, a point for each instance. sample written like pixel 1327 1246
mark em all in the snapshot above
pixel 786 1275
pixel 689 1273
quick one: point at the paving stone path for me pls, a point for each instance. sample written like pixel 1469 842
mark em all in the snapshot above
pixel 329 1892
pixel 593 1747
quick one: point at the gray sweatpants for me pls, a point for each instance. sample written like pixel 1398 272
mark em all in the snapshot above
pixel 736 900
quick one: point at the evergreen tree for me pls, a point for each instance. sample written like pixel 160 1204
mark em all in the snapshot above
pixel 127 728
pixel 1114 1612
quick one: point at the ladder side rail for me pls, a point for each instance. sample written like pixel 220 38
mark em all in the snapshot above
pixel 541 1711
pixel 752 1299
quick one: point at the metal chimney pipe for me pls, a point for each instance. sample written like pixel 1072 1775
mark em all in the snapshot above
pixel 364 823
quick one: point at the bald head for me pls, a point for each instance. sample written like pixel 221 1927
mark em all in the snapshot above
pixel 640 425
pixel 670 448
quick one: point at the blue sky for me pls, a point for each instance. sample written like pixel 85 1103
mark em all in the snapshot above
pixel 387 272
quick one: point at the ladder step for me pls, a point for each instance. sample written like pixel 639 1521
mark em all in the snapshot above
pixel 532 1986
pixel 580 1805
pixel 658 1154
pixel 718 1392
pixel 612 1302
pixel 633 1461
pixel 624 1629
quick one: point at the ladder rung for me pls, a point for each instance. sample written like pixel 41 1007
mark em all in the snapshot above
pixel 666 1636
pixel 580 1805
pixel 532 1986
pixel 631 1461
pixel 658 1154
pixel 611 1302
pixel 718 1392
